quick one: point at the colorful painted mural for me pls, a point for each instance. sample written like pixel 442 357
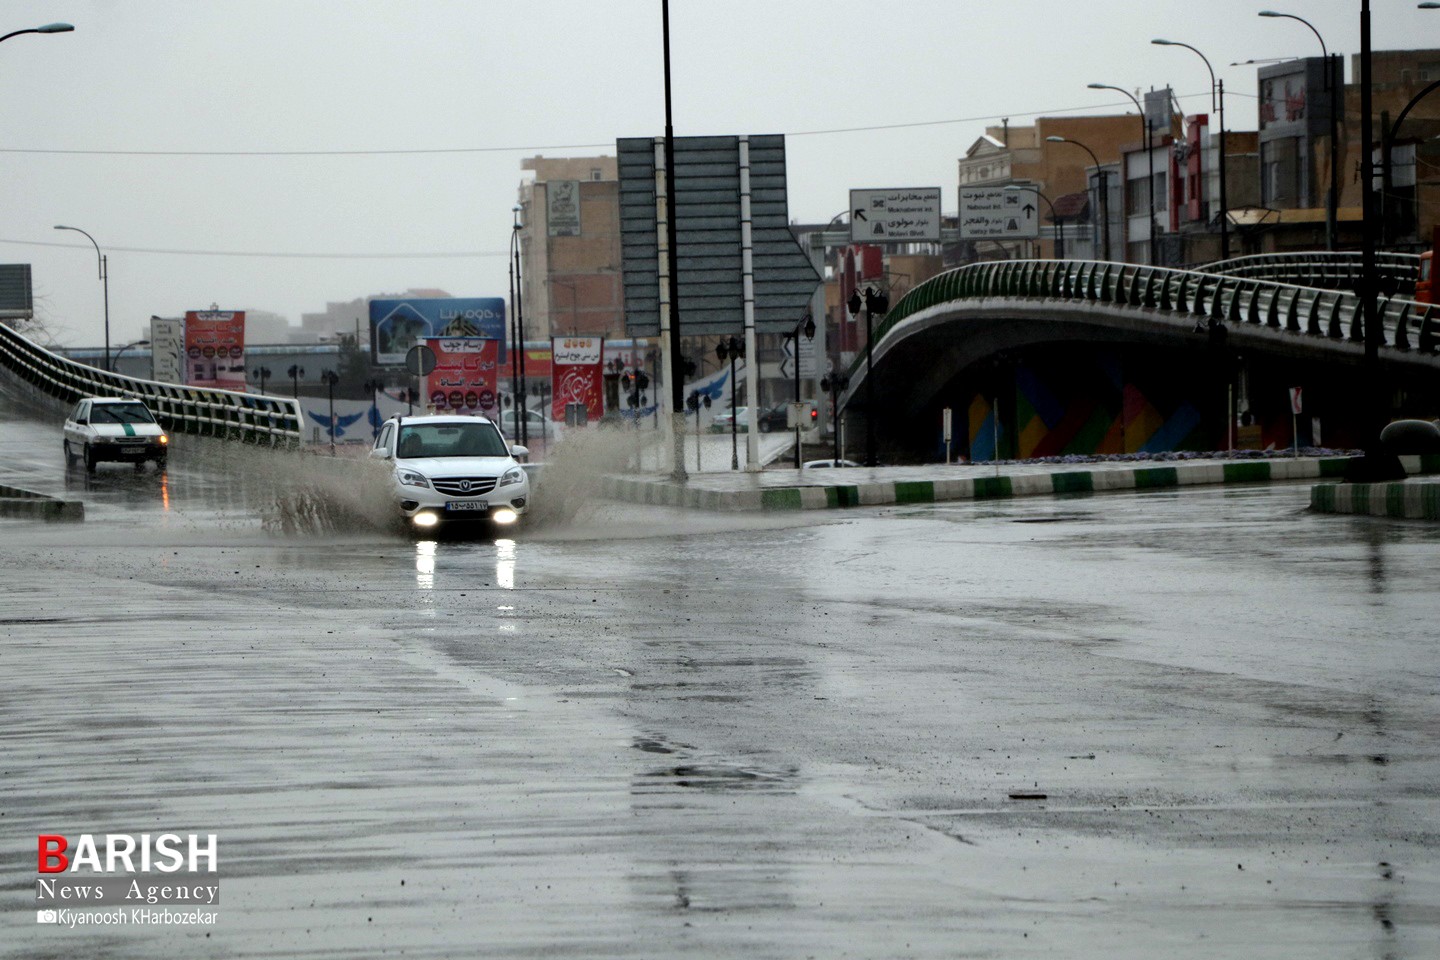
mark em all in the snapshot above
pixel 1081 401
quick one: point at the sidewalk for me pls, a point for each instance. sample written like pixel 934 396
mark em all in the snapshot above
pixel 789 489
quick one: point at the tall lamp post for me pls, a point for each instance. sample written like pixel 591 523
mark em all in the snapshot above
pixel 1059 251
pixel 807 327
pixel 875 302
pixel 331 378
pixel 519 298
pixel 1332 86
pixel 1104 195
pixel 672 266
pixel 295 373
pixel 104 281
pixel 47 28
pixel 261 373
pixel 133 343
pixel 1150 155
pixel 1215 87
pixel 834 383
pixel 515 347
pixel 732 349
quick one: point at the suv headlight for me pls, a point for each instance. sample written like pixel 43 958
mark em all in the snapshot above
pixel 411 478
pixel 513 475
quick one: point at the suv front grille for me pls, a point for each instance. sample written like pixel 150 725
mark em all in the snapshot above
pixel 464 486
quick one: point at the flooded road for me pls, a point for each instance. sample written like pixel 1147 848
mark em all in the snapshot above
pixel 1189 724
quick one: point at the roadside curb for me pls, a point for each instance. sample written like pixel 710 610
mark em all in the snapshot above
pixel 1401 501
pixel 26 504
pixel 826 496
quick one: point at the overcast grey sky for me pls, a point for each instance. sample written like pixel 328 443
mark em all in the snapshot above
pixel 483 84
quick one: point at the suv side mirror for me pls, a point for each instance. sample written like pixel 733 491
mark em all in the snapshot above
pixel 518 451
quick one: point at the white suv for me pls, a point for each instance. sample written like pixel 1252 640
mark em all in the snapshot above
pixel 449 468
pixel 115 429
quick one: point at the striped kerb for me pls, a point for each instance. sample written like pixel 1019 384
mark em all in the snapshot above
pixel 1156 477
pixel 1252 472
pixel 914 491
pixel 1080 481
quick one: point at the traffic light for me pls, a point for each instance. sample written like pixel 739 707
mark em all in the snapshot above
pixel 812 414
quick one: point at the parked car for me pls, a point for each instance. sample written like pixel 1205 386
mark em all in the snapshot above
pixel 114 429
pixel 537 426
pixel 776 418
pixel 740 417
pixel 825 464
pixel 449 468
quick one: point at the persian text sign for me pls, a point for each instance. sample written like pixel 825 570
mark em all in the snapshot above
pixel 895 216
pixel 215 349
pixel 577 375
pixel 465 376
pixel 996 213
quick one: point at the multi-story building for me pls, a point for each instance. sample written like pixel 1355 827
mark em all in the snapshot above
pixel 1064 173
pixel 569 236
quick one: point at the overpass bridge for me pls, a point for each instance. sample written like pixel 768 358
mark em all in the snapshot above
pixel 1045 357
pixel 40 374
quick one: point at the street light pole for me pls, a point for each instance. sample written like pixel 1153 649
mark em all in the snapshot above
pixel 1150 154
pixel 834 383
pixel 524 430
pixel 261 373
pixel 731 350
pixel 121 351
pixel 517 399
pixel 104 280
pixel 331 378
pixel 1059 251
pixel 295 373
pixel 874 302
pixel 47 28
pixel 1104 195
pixel 806 326
pixel 672 258
pixel 1214 87
pixel 1332 86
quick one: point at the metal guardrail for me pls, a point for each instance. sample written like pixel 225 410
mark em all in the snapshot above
pixel 226 414
pixel 1309 311
pixel 1329 271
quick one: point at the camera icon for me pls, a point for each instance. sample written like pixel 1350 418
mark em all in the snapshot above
pixel 46 916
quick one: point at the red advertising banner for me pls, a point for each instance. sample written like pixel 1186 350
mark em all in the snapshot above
pixel 465 376
pixel 577 375
pixel 215 349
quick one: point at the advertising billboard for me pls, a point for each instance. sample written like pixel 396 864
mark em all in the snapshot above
pixel 577 375
pixel 466 375
pixel 215 349
pixel 397 325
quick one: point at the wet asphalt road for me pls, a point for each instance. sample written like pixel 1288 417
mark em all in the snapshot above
pixel 653 733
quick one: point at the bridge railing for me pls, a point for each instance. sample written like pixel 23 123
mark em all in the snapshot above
pixel 1182 294
pixel 1331 271
pixel 226 414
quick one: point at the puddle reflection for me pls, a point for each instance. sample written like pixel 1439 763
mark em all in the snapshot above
pixel 425 564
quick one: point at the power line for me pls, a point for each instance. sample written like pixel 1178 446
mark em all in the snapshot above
pixel 433 255
pixel 424 151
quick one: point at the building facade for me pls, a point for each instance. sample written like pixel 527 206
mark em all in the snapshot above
pixel 571 281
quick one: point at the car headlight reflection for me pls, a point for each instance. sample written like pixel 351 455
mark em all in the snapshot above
pixel 411 478
pixel 513 475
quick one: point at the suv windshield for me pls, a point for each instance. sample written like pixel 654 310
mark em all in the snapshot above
pixel 120 413
pixel 478 439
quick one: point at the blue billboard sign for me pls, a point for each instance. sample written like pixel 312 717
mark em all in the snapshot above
pixel 397 325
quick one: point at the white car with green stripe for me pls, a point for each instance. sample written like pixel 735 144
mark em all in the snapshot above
pixel 114 429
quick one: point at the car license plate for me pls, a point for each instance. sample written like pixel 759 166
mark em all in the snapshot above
pixel 479 505
pixel 132 451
